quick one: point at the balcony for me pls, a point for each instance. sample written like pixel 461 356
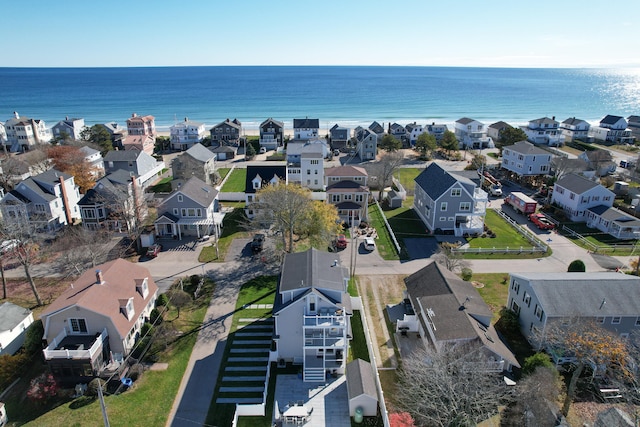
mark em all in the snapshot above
pixel 75 346
pixel 324 320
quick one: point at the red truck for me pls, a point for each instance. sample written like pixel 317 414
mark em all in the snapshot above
pixel 521 203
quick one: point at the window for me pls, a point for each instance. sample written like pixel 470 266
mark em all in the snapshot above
pixel 180 198
pixel 465 206
pixel 348 196
pixel 572 196
pixel 637 321
pixel 442 218
pixel 308 171
pixel 456 192
pixel 443 206
pixel 78 326
pixel 615 320
pixel 359 198
pixel 539 312
pixel 515 286
pixel 335 198
pixel 526 298
pixel 175 211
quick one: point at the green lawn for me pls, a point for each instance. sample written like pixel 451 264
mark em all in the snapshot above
pixel 495 290
pixel 236 181
pixel 149 401
pixel 407 176
pixel 232 228
pixel 506 236
pixel 605 242
pixel 358 346
pixel 164 186
pixel 223 172
pixel 384 244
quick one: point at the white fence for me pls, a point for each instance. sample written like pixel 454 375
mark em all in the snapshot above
pixel 389 229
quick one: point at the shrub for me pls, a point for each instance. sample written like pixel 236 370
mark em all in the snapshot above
pixel 466 273
pixel 538 359
pixel 92 388
pixel 577 266
pixel 42 388
pixel 11 366
pixel 508 320
pixel 162 300
pixel 155 315
pixel 33 338
pixel 136 371
pixel 147 328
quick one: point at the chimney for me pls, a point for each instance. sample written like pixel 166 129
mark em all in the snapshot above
pixel 134 115
pixel 99 278
pixel 65 201
pixel 136 204
pixel 553 117
pixel 16 115
pixel 34 126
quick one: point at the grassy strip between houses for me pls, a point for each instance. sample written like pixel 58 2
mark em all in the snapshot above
pixel 506 236
pixel 260 290
pixel 236 181
pixel 384 244
pixel 232 228
pixel 149 401
pixel 604 242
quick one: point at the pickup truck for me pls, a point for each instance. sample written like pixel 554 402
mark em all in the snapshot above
pixel 541 221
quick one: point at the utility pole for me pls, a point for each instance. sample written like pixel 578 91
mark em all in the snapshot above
pixel 102 405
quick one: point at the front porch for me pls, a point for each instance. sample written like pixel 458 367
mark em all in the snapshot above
pixel 170 226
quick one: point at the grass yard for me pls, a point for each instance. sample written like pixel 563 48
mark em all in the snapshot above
pixel 164 186
pixel 506 236
pixel 154 391
pixel 232 228
pixel 236 181
pixel 358 345
pixel 223 172
pixel 605 242
pixel 384 244
pixel 407 176
pixel 494 291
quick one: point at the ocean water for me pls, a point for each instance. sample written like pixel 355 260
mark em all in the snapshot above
pixel 349 96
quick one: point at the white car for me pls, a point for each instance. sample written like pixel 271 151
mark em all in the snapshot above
pixel 369 244
pixel 263 150
pixel 7 245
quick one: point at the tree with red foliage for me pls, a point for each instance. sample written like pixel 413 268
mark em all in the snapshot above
pixel 70 159
pixel 401 419
pixel 42 388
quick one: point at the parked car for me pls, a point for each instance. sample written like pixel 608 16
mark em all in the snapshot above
pixel 263 150
pixel 154 250
pixel 7 245
pixel 369 244
pixel 336 152
pixel 257 243
pixel 541 221
pixel 341 241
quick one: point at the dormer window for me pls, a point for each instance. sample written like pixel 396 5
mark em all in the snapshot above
pixel 126 308
pixel 142 287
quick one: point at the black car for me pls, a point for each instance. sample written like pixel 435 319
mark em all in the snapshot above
pixel 257 243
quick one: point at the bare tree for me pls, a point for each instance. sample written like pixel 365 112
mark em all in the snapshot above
pixel 564 165
pixel 385 168
pixel 179 299
pixel 601 161
pixel 451 260
pixel 448 388
pixel 535 398
pixel 80 249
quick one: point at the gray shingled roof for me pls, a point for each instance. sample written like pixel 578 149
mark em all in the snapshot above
pixel 11 315
pixel 500 125
pixel 312 268
pixel 360 379
pixel 527 148
pixel 576 183
pixel 582 294
pixel 199 191
pixel 435 181
pixel 52 176
pixel 573 121
pixel 610 120
pixel 346 170
pixel 544 120
pixel 306 123
pixel 271 120
pixel 200 153
pixel 122 156
pixel 465 120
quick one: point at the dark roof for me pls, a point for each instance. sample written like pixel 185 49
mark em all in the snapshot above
pixel 573 121
pixel 348 205
pixel 615 215
pixel 610 120
pixel 500 125
pixel 576 183
pixel 341 133
pixel 582 294
pixel 360 379
pixel 435 181
pixel 122 156
pixel 265 172
pixel 223 149
pixel 52 176
pixel 198 191
pixel 376 127
pixel 312 268
pixel 465 120
pixel 271 120
pixel 306 123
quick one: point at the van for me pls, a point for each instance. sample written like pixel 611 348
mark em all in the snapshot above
pixel 369 244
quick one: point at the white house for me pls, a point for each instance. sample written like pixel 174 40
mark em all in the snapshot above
pixel 95 323
pixel 437 130
pixel 612 129
pixel 47 201
pixel 573 129
pixel 446 202
pixel 22 133
pixel 526 159
pixel 310 172
pixel 14 321
pixel 312 312
pixel 607 299
pixel 614 222
pixel 94 158
pixel 185 134
pixel 575 194
pixel 414 130
pixel 495 130
pixel 544 131
pixel 472 134
pixel 305 128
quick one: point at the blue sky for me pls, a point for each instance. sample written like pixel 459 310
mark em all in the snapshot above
pixel 514 33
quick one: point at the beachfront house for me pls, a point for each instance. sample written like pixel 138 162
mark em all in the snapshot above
pixel 186 134
pixel 472 134
pixel 68 129
pixel 448 202
pixel 114 203
pixel 399 132
pixel 192 210
pixel 227 132
pixel 339 137
pixel 574 129
pixel 141 134
pixel 312 313
pixel 366 143
pixel 437 130
pixel 47 201
pixel 447 311
pixel 377 128
pixel 544 131
pixel 14 321
pixel 614 222
pixel 23 133
pixel 259 176
pixel 347 189
pixel 575 194
pixel 543 300
pixel 271 134
pixel 306 128
pixel 91 328
pixel 633 123
pixel 197 161
pixel 138 163
pixel 525 159
pixel 414 130
pixel 495 130
pixel 612 129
